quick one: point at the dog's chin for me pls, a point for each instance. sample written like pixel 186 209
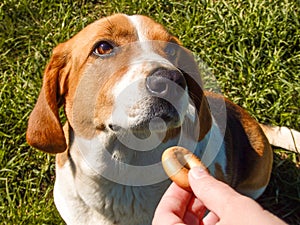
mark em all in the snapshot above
pixel 135 142
pixel 158 126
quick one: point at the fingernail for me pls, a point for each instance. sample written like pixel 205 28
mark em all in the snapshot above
pixel 197 172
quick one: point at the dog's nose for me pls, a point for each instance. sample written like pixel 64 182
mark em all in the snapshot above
pixel 163 82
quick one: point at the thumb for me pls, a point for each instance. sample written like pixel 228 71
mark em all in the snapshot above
pixel 214 194
pixel 226 203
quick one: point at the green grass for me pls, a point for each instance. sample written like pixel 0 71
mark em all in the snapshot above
pixel 251 46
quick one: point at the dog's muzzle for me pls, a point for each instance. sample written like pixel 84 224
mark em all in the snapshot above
pixel 166 88
pixel 162 107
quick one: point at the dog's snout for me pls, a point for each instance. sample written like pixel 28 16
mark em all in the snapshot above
pixel 163 82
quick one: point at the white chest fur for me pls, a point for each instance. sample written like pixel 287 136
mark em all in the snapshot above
pixel 82 199
pixel 89 202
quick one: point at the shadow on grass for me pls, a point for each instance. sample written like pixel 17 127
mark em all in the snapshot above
pixel 282 196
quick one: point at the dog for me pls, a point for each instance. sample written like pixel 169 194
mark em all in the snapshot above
pixel 129 91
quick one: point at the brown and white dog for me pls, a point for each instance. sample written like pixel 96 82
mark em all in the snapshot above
pixel 130 91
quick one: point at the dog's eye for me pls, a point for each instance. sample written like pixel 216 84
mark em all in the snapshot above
pixel 103 48
pixel 170 51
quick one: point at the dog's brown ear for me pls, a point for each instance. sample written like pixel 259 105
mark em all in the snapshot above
pixel 44 130
pixel 196 93
pixel 189 67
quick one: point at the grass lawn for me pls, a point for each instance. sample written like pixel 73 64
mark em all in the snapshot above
pixel 251 46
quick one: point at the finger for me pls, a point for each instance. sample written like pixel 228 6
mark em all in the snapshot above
pixel 210 219
pixel 172 207
pixel 195 211
pixel 196 206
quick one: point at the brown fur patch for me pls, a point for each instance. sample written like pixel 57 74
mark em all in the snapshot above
pixel 249 155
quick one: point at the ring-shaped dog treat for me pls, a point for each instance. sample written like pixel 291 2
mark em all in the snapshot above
pixel 177 161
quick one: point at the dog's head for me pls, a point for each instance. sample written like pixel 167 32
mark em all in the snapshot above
pixel 120 73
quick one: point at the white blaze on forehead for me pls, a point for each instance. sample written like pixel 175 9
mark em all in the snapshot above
pixel 140 29
pixel 147 44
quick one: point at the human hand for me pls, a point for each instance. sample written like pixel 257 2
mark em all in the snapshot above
pixel 225 205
